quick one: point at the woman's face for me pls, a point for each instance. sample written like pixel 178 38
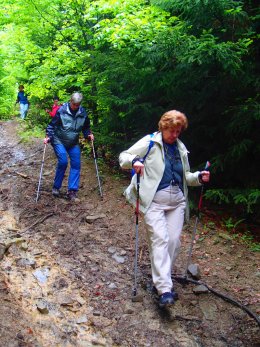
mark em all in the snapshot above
pixel 170 135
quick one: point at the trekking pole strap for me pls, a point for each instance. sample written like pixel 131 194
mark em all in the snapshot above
pixel 142 160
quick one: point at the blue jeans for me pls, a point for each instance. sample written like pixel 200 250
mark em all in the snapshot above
pixel 62 154
pixel 23 110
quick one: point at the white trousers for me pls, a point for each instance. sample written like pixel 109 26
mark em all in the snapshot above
pixel 23 110
pixel 164 221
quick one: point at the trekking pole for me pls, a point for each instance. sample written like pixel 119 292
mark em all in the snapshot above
pixel 98 178
pixel 196 222
pixel 136 233
pixel 39 184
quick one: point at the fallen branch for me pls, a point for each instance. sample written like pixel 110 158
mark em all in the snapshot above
pixel 21 174
pixel 181 318
pixel 37 222
pixel 184 279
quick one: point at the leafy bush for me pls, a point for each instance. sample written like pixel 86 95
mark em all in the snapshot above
pixel 248 199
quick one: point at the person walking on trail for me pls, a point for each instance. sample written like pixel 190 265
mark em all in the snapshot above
pixel 63 133
pixel 165 175
pixel 23 101
pixel 55 107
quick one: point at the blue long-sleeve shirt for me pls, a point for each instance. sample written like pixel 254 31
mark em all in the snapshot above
pixel 173 171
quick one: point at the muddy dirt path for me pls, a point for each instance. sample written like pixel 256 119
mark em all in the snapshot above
pixel 66 272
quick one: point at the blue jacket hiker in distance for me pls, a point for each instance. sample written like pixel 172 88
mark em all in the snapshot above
pixel 23 101
pixel 63 133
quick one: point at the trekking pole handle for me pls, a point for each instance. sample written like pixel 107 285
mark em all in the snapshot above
pixel 207 166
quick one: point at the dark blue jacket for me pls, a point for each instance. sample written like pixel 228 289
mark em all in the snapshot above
pixel 22 98
pixel 66 126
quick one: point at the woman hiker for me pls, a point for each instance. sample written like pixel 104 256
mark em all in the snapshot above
pixel 165 175
pixel 54 107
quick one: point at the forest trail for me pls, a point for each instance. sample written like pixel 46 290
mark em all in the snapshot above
pixel 66 272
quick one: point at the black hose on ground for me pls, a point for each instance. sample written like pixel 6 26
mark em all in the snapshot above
pixel 185 280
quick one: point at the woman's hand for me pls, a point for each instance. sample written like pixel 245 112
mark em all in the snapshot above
pixel 204 176
pixel 139 168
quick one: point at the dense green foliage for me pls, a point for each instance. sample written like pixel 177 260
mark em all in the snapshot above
pixel 135 59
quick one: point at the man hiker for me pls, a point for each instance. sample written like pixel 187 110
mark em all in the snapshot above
pixel 23 101
pixel 63 134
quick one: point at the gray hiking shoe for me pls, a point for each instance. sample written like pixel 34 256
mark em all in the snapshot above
pixel 55 192
pixel 72 195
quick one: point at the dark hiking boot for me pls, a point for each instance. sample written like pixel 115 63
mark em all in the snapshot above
pixel 55 192
pixel 175 295
pixel 166 299
pixel 72 195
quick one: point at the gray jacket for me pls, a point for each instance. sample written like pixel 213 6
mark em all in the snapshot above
pixel 65 127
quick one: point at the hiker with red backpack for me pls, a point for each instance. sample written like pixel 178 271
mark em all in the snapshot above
pixel 63 133
pixel 161 163
pixel 55 107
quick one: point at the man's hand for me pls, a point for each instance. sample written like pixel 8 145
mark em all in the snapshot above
pixel 91 137
pixel 46 140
